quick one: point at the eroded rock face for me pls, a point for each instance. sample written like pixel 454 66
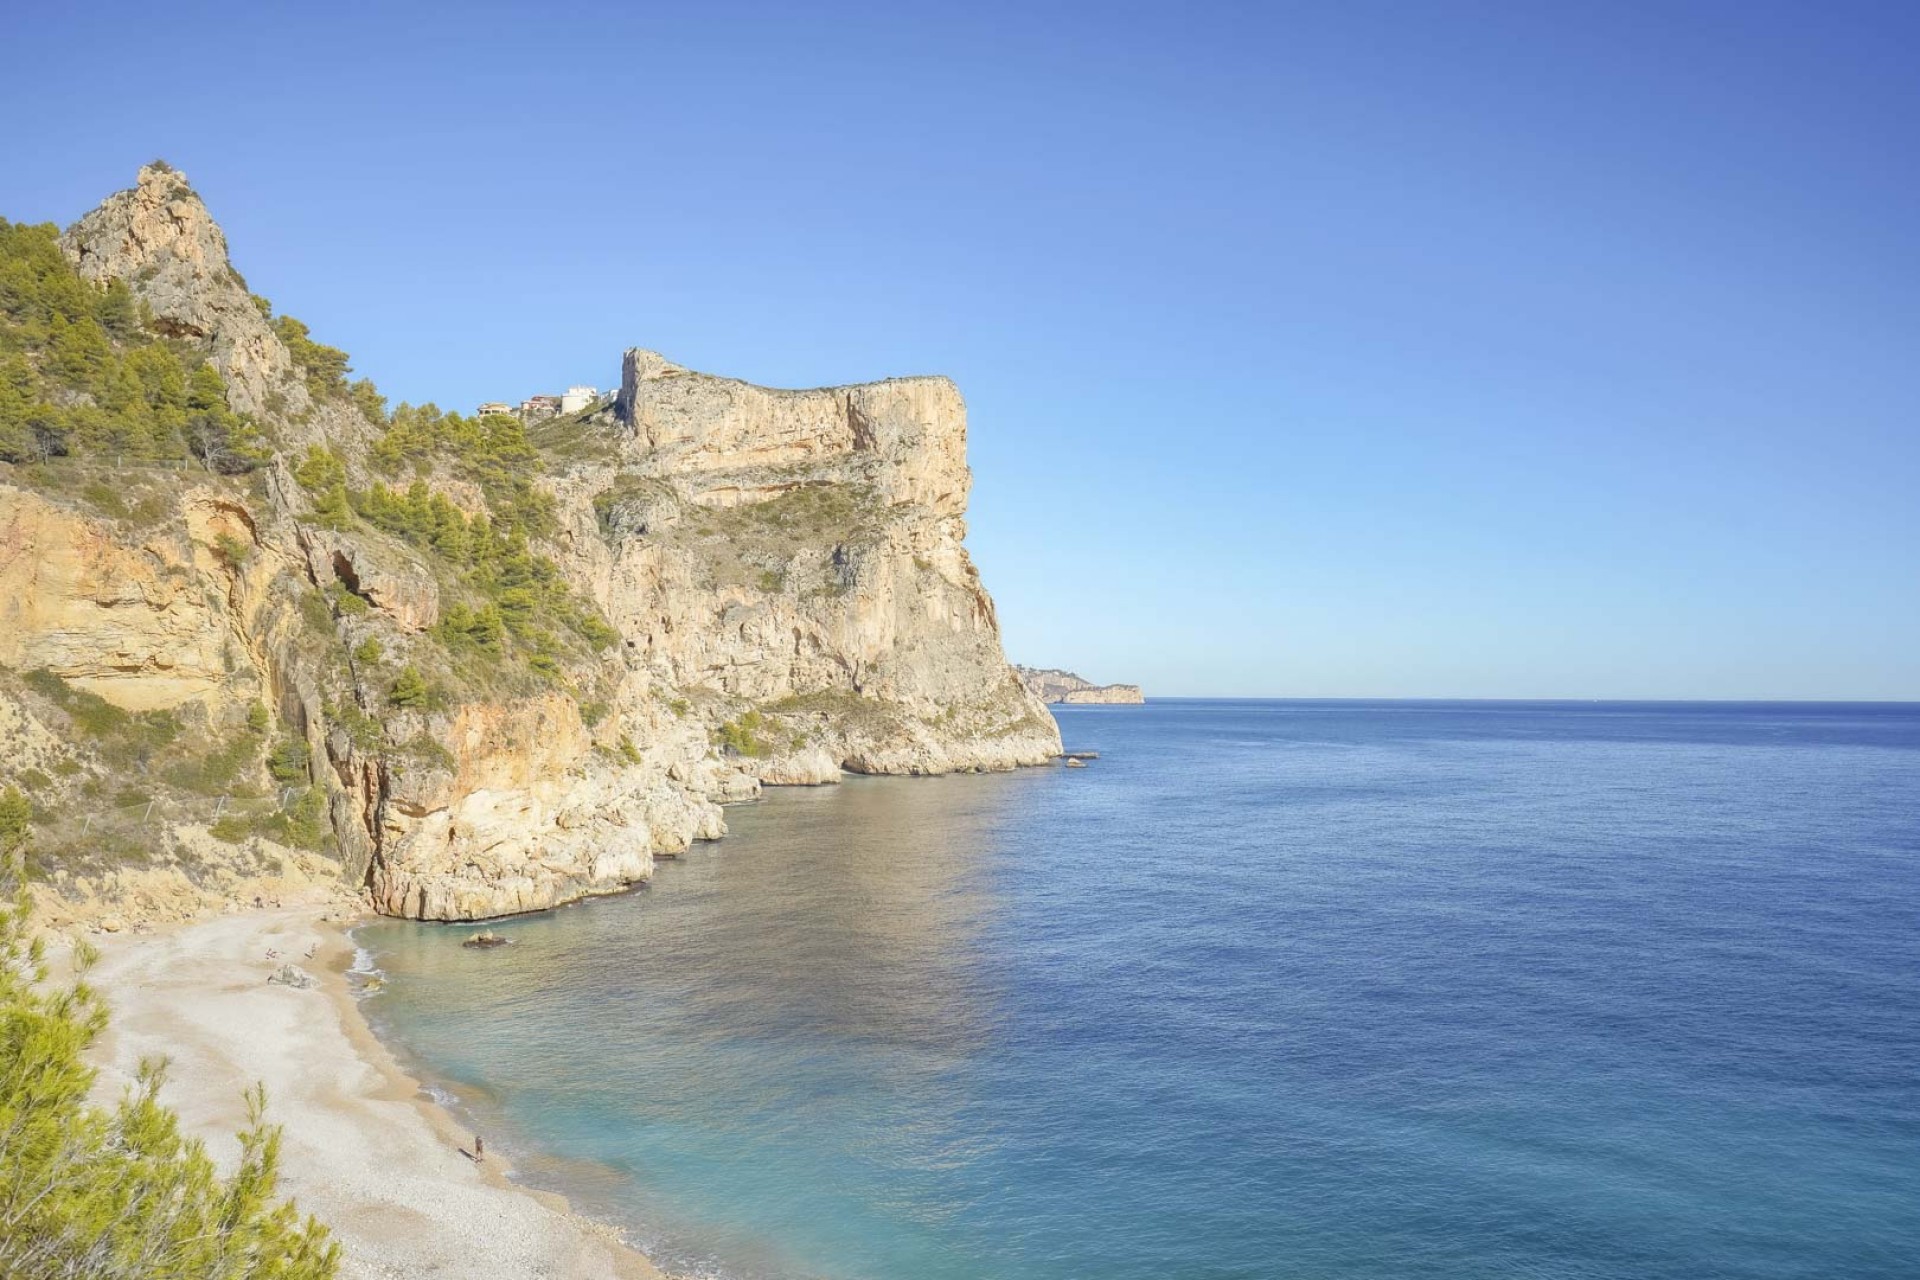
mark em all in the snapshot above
pixel 159 238
pixel 811 766
pixel 140 624
pixel 800 554
pixel 785 569
pixel 528 816
pixel 389 578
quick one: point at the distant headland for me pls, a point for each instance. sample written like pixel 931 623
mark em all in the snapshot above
pixel 1050 685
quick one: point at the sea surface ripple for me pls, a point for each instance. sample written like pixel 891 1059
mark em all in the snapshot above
pixel 1313 989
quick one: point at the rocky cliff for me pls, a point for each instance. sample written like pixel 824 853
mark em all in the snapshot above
pixel 483 671
pixel 1052 685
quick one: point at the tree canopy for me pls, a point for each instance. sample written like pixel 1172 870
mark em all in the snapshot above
pixel 81 373
pixel 121 1193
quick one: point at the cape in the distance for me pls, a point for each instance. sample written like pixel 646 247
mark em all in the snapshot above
pixel 1052 685
pixel 464 666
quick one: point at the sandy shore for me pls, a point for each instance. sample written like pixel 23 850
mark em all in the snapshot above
pixel 363 1151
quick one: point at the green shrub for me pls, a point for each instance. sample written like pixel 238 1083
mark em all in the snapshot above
pixel 349 604
pixel 460 627
pixel 409 689
pixel 302 825
pixel 315 613
pixel 122 1194
pixel 742 736
pixel 231 550
pixel 324 478
pixel 324 367
pixel 105 498
pixel 430 752
pixel 80 373
pixel 522 590
pixel 367 399
pixel 368 651
pixel 288 760
pixel 16 812
pixel 124 737
pixel 361 727
pixel 217 770
pixel 493 452
pixel 595 630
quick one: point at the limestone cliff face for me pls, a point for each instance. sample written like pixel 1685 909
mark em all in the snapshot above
pixel 139 621
pixel 523 816
pixel 785 571
pixel 798 555
pixel 158 238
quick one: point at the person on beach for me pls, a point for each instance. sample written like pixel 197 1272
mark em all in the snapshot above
pixel 479 1148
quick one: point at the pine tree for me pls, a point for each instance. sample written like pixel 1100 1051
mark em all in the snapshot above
pixel 122 1194
pixel 223 440
pixel 408 689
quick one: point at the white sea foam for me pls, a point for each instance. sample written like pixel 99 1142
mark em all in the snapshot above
pixel 364 977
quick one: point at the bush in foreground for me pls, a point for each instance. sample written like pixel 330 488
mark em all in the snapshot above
pixel 121 1194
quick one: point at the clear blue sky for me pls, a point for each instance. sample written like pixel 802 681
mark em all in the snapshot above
pixel 1430 348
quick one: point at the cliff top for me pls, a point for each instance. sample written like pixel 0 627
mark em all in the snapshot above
pixel 649 365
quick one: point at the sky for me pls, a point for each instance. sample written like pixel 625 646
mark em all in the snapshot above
pixel 1344 349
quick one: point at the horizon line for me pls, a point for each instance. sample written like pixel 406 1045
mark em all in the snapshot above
pixel 1271 697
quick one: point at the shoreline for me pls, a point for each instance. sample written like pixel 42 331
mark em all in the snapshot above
pixel 365 1149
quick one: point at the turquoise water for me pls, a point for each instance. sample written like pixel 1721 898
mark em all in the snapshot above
pixel 1272 989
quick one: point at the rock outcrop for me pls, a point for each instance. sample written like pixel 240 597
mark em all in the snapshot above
pixel 798 555
pixel 1052 685
pixel 784 572
pixel 141 622
pixel 159 238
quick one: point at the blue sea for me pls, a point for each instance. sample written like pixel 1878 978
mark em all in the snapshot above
pixel 1271 989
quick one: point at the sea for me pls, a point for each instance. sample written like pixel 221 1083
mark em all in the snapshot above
pixel 1269 989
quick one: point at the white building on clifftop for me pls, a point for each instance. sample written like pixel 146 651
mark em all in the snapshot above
pixel 540 408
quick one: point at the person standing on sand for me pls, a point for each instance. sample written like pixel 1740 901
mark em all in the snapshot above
pixel 479 1148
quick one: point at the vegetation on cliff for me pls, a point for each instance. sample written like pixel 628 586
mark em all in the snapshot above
pixel 102 404
pixel 81 372
pixel 515 596
pixel 343 626
pixel 95 805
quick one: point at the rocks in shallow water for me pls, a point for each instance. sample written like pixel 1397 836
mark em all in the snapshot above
pixel 289 976
pixel 1075 762
pixel 484 939
pixel 807 767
